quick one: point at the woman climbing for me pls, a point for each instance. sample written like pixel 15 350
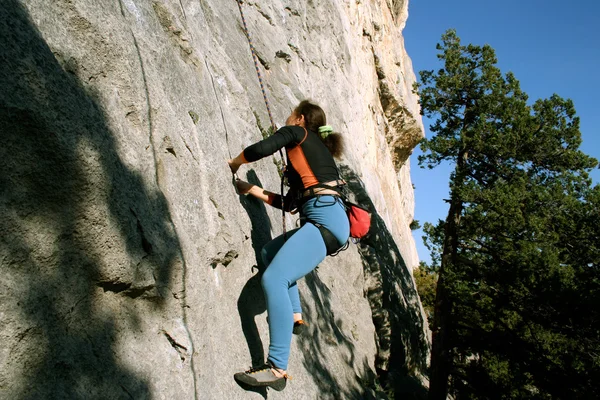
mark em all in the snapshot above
pixel 312 176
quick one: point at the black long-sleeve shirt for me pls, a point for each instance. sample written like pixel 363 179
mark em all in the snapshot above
pixel 309 161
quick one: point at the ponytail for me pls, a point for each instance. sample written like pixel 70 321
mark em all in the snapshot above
pixel 332 140
pixel 315 120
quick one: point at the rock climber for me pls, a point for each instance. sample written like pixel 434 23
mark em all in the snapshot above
pixel 313 177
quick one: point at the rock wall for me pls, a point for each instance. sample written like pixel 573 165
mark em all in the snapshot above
pixel 128 261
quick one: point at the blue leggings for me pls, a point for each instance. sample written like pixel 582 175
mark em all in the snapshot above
pixel 291 259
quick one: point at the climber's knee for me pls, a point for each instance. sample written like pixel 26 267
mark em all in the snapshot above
pixel 271 279
pixel 267 279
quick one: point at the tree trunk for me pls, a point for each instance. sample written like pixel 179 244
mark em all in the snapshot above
pixel 441 351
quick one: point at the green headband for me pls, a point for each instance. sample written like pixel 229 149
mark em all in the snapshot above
pixel 325 131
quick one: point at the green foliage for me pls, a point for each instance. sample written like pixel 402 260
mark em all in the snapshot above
pixel 518 252
pixel 433 239
pixel 279 164
pixel 426 280
pixel 265 133
pixel 194 116
pixel 414 225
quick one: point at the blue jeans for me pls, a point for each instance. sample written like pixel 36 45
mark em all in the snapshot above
pixel 291 259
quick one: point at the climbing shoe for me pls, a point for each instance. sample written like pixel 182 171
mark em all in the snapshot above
pixel 262 376
pixel 299 327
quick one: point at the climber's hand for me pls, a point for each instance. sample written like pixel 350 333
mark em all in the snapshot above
pixel 242 186
pixel 233 165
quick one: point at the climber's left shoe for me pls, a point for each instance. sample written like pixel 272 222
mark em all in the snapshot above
pixel 262 376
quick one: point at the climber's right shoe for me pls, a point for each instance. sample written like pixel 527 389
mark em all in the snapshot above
pixel 299 327
pixel 262 376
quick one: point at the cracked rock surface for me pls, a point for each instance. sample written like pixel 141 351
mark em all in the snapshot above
pixel 130 267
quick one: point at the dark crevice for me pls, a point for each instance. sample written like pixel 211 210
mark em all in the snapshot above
pixel 127 289
pixel 265 15
pixel 179 348
pixel 76 304
pixel 296 50
pixel 136 292
pixel 114 286
pixel 121 6
pixel 148 102
pixel 224 260
pixel 190 150
pixel 146 245
pixel 212 80
pixel 292 12
pixel 127 391
pixel 263 61
pixel 182 10
pixel 194 116
pixel 284 55
pixel 22 335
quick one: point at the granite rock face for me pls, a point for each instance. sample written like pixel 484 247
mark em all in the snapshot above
pixel 129 264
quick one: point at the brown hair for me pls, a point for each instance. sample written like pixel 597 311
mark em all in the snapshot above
pixel 314 117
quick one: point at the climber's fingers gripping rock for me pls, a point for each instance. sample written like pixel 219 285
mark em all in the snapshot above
pixel 242 186
pixel 233 165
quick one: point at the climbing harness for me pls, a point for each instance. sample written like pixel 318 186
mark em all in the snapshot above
pixel 359 216
pixel 264 93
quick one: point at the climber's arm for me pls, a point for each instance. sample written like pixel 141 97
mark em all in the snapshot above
pixel 256 191
pixel 272 199
pixel 266 147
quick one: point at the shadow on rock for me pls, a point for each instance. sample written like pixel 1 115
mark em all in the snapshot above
pixel 67 198
pixel 251 302
pixel 403 348
pixel 326 332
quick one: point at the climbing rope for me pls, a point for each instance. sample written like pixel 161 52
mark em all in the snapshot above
pixel 255 58
pixel 264 93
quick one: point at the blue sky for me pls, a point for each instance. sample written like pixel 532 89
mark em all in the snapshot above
pixel 551 46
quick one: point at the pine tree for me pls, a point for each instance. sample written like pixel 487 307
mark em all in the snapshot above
pixel 510 317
